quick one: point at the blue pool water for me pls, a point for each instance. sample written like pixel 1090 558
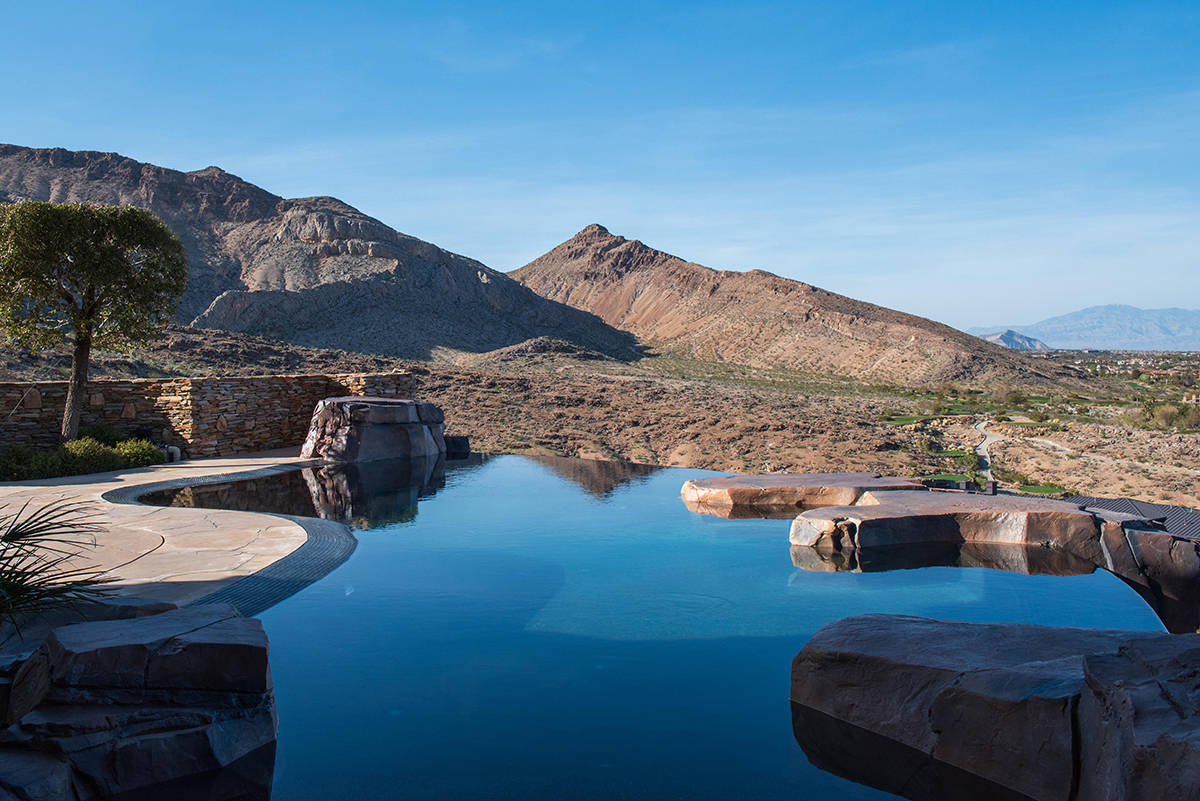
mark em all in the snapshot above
pixel 536 631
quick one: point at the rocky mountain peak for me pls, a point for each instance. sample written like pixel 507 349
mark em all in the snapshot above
pixel 755 317
pixel 309 270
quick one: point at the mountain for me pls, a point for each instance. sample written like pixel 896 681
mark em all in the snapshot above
pixel 1117 327
pixel 311 271
pixel 1011 339
pixel 759 319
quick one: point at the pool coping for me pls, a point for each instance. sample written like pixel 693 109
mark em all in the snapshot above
pixel 187 556
pixel 327 544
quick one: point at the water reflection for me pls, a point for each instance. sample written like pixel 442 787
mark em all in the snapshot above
pixel 1028 559
pixel 597 478
pixel 1175 599
pixel 865 757
pixel 246 779
pixel 360 495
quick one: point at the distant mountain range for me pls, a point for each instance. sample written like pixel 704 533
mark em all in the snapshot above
pixel 1114 327
pixel 756 318
pixel 310 271
pixel 317 272
pixel 1011 339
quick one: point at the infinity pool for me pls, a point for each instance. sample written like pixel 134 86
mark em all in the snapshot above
pixel 547 629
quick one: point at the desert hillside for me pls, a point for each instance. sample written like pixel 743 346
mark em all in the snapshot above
pixel 759 319
pixel 311 271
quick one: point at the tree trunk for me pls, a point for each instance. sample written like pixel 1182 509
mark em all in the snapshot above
pixel 77 387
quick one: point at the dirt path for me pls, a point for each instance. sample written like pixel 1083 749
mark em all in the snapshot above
pixel 981 450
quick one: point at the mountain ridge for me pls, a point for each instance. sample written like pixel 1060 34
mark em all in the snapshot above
pixel 1014 340
pixel 1115 326
pixel 312 271
pixel 758 318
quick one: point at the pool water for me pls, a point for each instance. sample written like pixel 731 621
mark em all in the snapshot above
pixel 543 629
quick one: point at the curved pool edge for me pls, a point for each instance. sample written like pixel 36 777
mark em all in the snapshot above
pixel 326 546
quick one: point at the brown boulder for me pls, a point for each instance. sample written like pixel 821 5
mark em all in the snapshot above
pixel 900 518
pixel 781 493
pixel 996 700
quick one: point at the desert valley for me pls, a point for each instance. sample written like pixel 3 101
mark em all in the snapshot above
pixel 600 401
pixel 606 348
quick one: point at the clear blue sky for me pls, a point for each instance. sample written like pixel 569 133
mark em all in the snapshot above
pixel 975 162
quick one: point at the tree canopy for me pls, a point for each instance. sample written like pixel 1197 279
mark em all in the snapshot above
pixel 101 276
pixel 115 272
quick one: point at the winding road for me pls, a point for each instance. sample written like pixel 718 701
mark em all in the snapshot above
pixel 981 450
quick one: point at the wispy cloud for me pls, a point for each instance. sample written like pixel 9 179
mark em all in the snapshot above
pixel 465 48
pixel 1011 232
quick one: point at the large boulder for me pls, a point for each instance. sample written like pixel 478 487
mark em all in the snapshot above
pixel 902 518
pixel 199 647
pixel 151 705
pixel 783 494
pixel 995 700
pixel 1139 719
pixel 359 429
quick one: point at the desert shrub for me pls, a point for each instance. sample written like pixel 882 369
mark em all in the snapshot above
pixel 1009 476
pixel 139 453
pixel 967 461
pixel 1166 415
pixel 87 455
pixel 1014 397
pixel 80 456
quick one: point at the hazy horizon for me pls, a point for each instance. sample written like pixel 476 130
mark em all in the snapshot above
pixel 968 165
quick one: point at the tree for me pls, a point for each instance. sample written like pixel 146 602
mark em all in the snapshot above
pixel 90 275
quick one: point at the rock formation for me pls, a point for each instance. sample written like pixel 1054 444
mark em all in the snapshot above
pixel 145 705
pixel 784 494
pixel 1162 567
pixel 907 517
pixel 1054 714
pixel 757 318
pixel 1140 713
pixel 311 271
pixel 364 429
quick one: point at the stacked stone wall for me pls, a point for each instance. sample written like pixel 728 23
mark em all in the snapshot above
pixel 203 416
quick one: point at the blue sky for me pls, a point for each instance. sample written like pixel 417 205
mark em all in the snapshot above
pixel 974 162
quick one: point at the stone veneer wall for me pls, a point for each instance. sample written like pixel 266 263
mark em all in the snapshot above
pixel 203 416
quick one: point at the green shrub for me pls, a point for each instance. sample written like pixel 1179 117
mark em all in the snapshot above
pixel 139 453
pixel 103 433
pixel 87 455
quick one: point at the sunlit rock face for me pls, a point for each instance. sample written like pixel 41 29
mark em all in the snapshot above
pixel 363 429
pixel 1029 708
pixel 901 518
pixel 926 528
pixel 784 494
pixel 148 705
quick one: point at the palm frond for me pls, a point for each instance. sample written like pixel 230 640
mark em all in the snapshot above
pixel 61 527
pixel 35 549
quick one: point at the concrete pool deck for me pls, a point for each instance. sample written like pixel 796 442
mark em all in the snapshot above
pixel 185 555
